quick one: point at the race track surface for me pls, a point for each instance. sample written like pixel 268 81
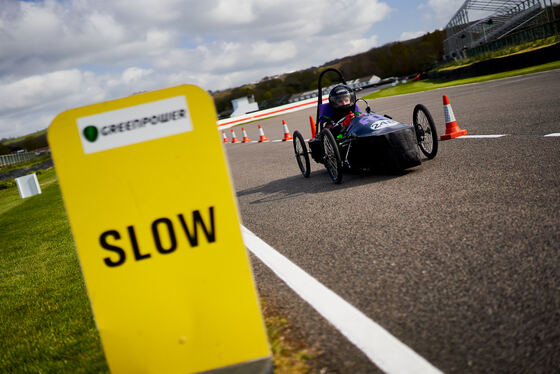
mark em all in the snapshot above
pixel 458 258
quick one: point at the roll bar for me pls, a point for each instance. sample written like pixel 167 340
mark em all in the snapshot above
pixel 320 92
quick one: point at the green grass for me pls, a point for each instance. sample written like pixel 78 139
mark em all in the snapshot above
pixel 46 323
pixel 9 197
pixel 426 85
pixel 519 48
pixel 46 177
pixel 15 140
pixel 290 353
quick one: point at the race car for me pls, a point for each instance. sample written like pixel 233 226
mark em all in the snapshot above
pixel 364 141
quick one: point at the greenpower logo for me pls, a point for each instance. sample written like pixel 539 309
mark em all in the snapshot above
pixel 91 133
pixel 134 124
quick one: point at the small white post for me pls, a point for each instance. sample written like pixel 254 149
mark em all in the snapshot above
pixel 28 185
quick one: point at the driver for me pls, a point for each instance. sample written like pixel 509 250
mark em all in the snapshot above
pixel 343 103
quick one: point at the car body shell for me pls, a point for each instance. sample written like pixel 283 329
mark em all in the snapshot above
pixel 373 142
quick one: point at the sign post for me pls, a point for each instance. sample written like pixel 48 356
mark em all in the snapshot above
pixel 148 194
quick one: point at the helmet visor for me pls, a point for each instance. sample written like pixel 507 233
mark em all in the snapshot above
pixel 342 99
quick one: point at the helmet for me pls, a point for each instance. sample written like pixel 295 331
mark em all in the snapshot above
pixel 342 98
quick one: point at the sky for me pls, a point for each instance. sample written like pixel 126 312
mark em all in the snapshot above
pixel 61 54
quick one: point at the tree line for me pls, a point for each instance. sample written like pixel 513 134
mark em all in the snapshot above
pixel 29 143
pixel 393 59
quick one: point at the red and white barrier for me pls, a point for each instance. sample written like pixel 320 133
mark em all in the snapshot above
pixel 267 113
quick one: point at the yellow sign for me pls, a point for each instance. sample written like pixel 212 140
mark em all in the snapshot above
pixel 155 222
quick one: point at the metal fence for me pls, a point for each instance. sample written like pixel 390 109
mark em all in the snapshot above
pixel 15 158
pixel 520 37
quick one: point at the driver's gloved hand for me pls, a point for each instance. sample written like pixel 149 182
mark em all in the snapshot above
pixel 348 119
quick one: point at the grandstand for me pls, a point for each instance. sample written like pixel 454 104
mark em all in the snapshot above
pixel 478 22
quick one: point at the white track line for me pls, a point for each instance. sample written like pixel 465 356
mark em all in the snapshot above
pixel 481 136
pixel 553 134
pixel 382 348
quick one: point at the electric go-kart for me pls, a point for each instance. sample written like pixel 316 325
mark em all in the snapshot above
pixel 370 142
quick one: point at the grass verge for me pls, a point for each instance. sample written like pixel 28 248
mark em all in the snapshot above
pixel 426 85
pixel 46 323
pixel 9 196
pixel 20 138
pixel 290 352
pixel 507 51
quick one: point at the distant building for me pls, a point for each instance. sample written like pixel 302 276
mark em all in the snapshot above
pixel 244 105
pixel 374 79
pixel 18 149
pixel 356 84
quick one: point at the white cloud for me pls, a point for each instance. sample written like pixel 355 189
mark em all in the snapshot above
pixel 411 35
pixel 50 36
pixel 31 103
pixel 134 74
pixel 56 55
pixel 232 12
pixel 441 11
pixel 36 89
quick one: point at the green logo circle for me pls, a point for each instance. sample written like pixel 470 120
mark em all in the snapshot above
pixel 91 133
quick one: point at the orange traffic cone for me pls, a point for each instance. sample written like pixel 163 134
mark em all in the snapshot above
pixel 287 135
pixel 313 128
pixel 245 137
pixel 225 137
pixel 262 138
pixel 452 129
pixel 233 137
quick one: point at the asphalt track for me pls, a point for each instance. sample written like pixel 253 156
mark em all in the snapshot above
pixel 458 258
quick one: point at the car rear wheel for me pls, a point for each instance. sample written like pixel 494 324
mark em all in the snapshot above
pixel 302 156
pixel 425 129
pixel 332 159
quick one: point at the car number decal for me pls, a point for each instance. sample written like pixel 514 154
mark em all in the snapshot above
pixel 382 123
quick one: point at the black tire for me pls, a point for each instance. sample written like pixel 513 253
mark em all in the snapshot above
pixel 302 156
pixel 332 159
pixel 426 133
